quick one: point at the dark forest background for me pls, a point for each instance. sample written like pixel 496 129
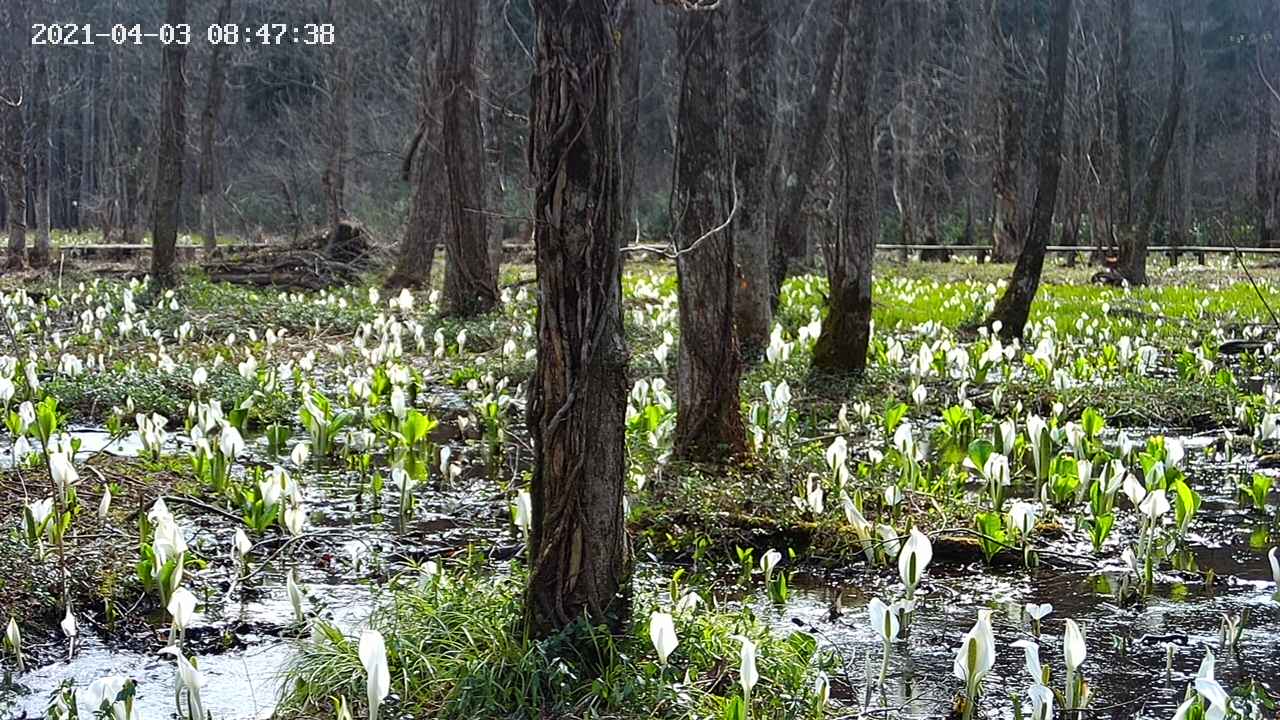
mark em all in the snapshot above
pixel 957 102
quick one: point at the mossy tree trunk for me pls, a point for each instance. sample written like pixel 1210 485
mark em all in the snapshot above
pixel 1014 306
pixel 169 154
pixel 708 412
pixel 579 552
pixel 846 332
pixel 470 285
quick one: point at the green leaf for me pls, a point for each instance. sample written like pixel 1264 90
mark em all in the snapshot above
pixel 893 415
pixel 979 451
pixel 1186 502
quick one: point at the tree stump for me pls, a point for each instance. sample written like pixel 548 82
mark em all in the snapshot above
pixel 347 243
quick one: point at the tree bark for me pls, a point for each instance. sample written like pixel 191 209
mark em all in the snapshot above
pixel 90 72
pixel 168 169
pixel 333 181
pixel 13 151
pixel 1267 149
pixel 490 128
pixel 1123 20
pixel 807 152
pixel 1014 306
pixel 846 332
pixel 1185 158
pixel 40 151
pixel 708 411
pixel 754 106
pixel 1133 248
pixel 580 555
pixel 1009 29
pixel 470 285
pixel 1264 172
pixel 206 185
pixel 417 250
pixel 633 34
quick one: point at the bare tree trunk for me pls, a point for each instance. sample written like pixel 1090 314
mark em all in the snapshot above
pixel 1014 306
pixel 807 153
pixel 168 173
pixel 709 414
pixel 754 105
pixel 1267 150
pixel 88 146
pixel 490 130
pixel 421 167
pixel 1180 211
pixel 333 181
pixel 1123 21
pixel 1133 248
pixel 911 23
pixel 633 30
pixel 13 151
pixel 1264 171
pixel 470 285
pixel 1009 29
pixel 846 332
pixel 206 185
pixel 41 148
pixel 580 555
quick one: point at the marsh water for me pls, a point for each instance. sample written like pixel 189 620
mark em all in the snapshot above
pixel 243 637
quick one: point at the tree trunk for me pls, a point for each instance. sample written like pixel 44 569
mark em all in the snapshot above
pixel 1014 306
pixel 1181 198
pixel 1264 159
pixel 88 146
pixel 333 181
pixel 633 34
pixel 13 151
pixel 846 332
pixel 168 174
pixel 1010 29
pixel 470 285
pixel 1133 248
pixel 421 165
pixel 41 149
pixel 910 30
pixel 754 106
pixel 206 186
pixel 580 560
pixel 1123 21
pixel 1267 150
pixel 490 129
pixel 709 415
pixel 807 153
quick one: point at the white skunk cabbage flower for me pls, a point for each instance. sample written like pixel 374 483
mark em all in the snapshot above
pixel 914 559
pixel 662 632
pixel 373 655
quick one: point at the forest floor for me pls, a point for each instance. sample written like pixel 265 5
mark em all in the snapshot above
pixel 840 470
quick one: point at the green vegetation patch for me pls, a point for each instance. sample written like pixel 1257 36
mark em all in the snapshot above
pixel 455 651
